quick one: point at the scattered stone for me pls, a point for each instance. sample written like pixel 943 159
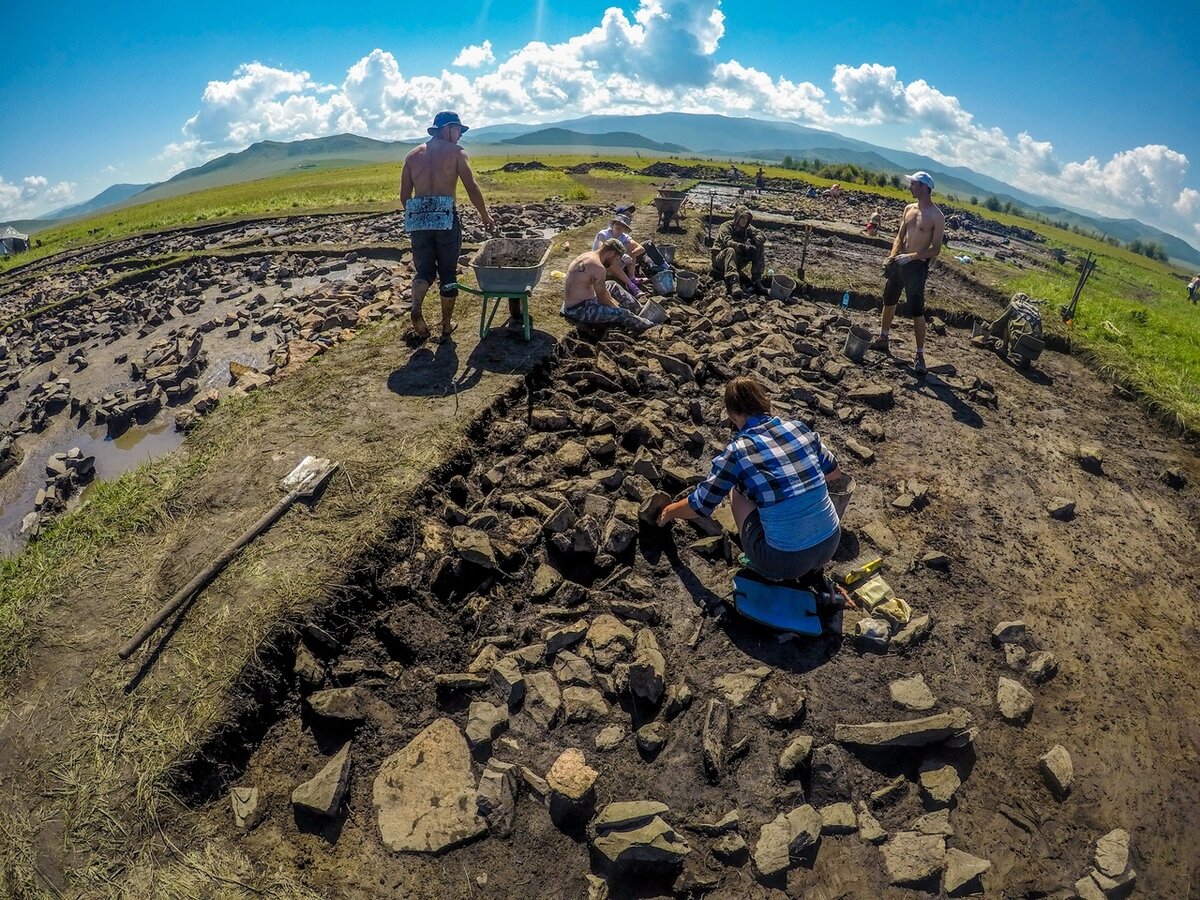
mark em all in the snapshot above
pixel 879 534
pixel 730 822
pixel 1057 770
pixel 963 873
pixel 573 670
pixel 1014 656
pixel 795 756
pixel 936 560
pixel 1014 702
pixel 473 546
pixel 1174 478
pixel 1042 665
pixel 784 838
pixel 786 706
pixel 1061 508
pixel 506 678
pixel 484 722
pixel 572 788
pixel 912 733
pixel 737 687
pixel 323 793
pixel 565 636
pixel 730 849
pixel 912 693
pixel 679 697
pixel 1009 633
pixel 654 845
pixel 497 797
pixel 916 630
pixel 860 451
pixel 838 818
pixel 869 828
pixel 543 700
pixel 891 792
pixel 346 704
pixel 628 814
pixel 648 671
pixel 937 822
pixel 651 738
pixel 610 737
pixel 877 396
pixel 1112 853
pixel 608 639
pixel 546 581
pixel 939 780
pixel 1091 458
pixel 309 671
pixel 913 859
pixel 246 809
pixel 716 733
pixel 425 795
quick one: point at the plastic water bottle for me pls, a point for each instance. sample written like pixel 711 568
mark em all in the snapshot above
pixel 846 300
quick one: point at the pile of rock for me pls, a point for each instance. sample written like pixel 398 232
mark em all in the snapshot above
pixel 65 474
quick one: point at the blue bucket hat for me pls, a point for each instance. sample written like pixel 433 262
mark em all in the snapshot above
pixel 444 118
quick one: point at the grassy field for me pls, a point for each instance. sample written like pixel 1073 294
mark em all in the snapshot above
pixel 1134 319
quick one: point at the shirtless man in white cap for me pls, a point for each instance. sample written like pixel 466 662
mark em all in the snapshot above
pixel 917 242
pixel 427 188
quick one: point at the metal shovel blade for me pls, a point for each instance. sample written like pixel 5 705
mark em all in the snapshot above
pixel 308 476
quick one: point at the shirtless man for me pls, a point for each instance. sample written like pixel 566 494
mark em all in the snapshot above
pixel 427 188
pixel 917 242
pixel 588 299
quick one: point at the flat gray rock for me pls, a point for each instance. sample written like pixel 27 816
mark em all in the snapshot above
pixel 784 838
pixel 909 733
pixel 1112 853
pixel 628 814
pixel 654 845
pixel 1057 770
pixel 962 873
pixel 323 793
pixel 911 859
pixel 912 693
pixel 1014 702
pixel 425 795
pixel 939 780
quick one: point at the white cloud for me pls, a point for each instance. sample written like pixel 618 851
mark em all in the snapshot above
pixel 32 196
pixel 664 57
pixel 475 55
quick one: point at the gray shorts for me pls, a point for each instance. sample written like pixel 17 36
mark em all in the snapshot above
pixel 784 565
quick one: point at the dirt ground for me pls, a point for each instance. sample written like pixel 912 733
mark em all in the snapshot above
pixel 1109 593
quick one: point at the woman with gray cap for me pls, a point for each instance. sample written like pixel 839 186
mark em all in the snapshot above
pixel 428 185
pixel 624 271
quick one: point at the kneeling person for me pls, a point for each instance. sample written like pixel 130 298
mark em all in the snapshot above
pixel 777 472
pixel 588 299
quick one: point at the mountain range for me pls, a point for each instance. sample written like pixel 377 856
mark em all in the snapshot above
pixel 656 133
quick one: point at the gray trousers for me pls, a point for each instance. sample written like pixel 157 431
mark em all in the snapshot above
pixel 593 312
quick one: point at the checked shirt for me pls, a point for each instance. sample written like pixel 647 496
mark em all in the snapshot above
pixel 769 461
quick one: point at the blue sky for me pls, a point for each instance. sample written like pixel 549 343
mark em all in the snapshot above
pixel 1095 104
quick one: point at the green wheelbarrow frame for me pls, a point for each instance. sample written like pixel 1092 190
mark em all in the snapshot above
pixel 491 303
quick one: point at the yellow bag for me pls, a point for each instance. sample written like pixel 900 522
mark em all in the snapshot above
pixel 874 592
pixel 895 610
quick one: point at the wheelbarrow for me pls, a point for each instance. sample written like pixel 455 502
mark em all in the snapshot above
pixel 508 269
pixel 668 209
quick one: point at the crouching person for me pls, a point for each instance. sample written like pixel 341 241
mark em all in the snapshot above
pixel 588 299
pixel 777 472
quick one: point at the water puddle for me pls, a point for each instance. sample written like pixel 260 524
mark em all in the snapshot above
pixel 114 456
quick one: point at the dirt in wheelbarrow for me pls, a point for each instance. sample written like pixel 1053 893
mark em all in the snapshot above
pixel 590 658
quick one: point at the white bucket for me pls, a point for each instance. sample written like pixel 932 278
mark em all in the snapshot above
pixel 840 493
pixel 668 253
pixel 686 284
pixel 653 312
pixel 858 341
pixel 664 282
pixel 782 287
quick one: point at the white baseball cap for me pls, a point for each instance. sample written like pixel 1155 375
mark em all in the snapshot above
pixel 923 177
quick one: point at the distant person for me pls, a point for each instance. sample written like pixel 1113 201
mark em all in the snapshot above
pixel 760 179
pixel 777 474
pixel 428 185
pixel 811 192
pixel 917 242
pixel 1194 288
pixel 624 270
pixel 739 244
pixel 874 222
pixel 834 190
pixel 590 299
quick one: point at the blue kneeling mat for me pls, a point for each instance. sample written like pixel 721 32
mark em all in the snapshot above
pixel 776 605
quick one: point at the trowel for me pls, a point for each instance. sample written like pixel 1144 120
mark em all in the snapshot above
pixel 302 483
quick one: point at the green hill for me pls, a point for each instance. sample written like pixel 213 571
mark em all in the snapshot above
pixel 563 137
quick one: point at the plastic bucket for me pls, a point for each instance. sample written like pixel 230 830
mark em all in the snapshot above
pixel 840 493
pixel 782 287
pixel 686 284
pixel 668 253
pixel 653 312
pixel 664 282
pixel 858 341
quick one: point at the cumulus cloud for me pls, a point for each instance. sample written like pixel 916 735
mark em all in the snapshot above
pixel 664 56
pixel 475 55
pixel 32 195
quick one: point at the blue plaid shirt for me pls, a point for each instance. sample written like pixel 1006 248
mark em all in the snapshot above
pixel 769 461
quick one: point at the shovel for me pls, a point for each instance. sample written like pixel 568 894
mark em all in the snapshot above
pixel 302 482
